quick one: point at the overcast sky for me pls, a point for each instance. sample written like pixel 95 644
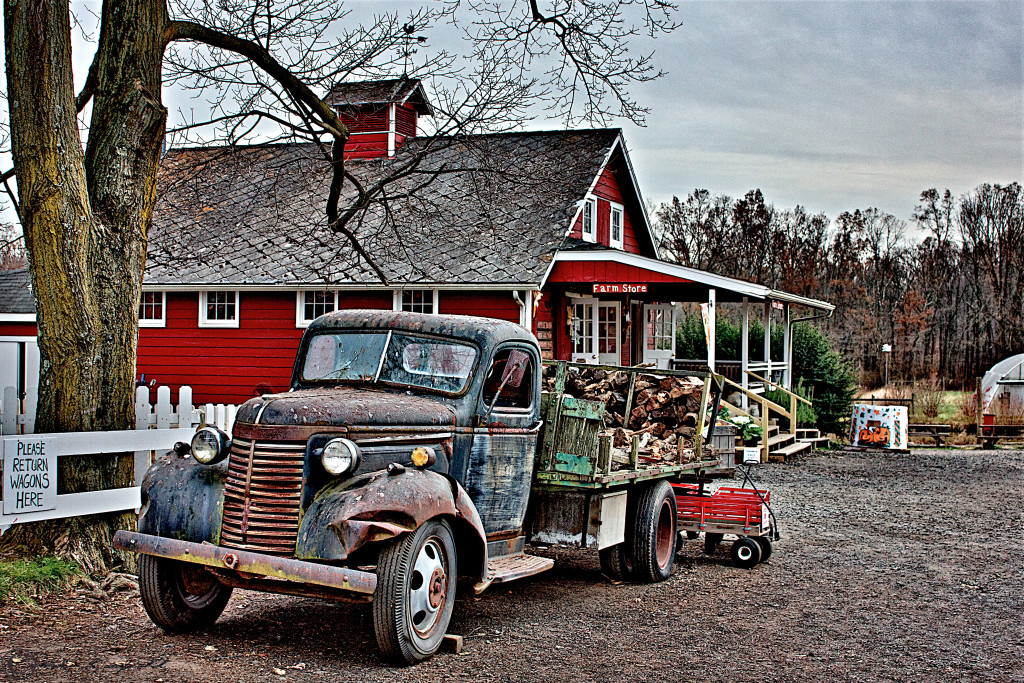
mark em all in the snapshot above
pixel 834 105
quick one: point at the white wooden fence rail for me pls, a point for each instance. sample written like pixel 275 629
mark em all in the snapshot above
pixel 157 428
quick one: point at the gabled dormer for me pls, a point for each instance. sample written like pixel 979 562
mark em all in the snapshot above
pixel 380 115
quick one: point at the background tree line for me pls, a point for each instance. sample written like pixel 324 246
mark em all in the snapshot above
pixel 947 290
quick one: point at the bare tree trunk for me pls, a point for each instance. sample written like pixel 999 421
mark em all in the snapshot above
pixel 85 234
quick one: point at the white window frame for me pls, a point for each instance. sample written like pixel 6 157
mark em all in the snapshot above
pixel 619 209
pixel 300 305
pixel 592 235
pixel 203 322
pixel 155 322
pixel 396 301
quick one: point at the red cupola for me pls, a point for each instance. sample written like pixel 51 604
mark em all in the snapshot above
pixel 380 115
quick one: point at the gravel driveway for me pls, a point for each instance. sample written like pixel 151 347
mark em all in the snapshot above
pixel 890 568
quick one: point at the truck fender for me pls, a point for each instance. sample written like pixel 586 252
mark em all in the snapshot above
pixel 347 515
pixel 182 499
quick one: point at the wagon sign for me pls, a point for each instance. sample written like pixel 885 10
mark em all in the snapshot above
pixel 30 476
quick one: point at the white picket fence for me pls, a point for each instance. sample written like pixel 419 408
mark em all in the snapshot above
pixel 19 416
pixel 157 428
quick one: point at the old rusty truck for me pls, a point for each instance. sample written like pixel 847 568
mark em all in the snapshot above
pixel 410 450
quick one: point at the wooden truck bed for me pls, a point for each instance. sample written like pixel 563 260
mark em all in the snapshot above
pixel 576 444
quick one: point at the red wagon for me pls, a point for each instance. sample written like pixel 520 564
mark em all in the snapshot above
pixel 744 513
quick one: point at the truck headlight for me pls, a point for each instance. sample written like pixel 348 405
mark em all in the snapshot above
pixel 341 456
pixel 209 445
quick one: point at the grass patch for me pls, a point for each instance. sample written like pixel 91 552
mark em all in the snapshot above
pixel 23 580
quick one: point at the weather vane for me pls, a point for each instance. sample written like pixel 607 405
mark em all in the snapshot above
pixel 409 39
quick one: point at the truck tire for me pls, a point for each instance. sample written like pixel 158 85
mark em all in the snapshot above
pixel 178 596
pixel 654 533
pixel 617 562
pixel 416 577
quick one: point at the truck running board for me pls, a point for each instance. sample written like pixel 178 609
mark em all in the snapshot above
pixel 516 566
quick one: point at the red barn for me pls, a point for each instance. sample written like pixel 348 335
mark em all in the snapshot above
pixel 547 229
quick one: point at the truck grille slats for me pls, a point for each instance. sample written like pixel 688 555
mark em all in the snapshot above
pixel 262 496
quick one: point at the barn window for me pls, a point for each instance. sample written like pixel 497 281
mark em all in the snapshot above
pixel 416 300
pixel 152 310
pixel 311 304
pixel 589 225
pixel 615 227
pixel 218 309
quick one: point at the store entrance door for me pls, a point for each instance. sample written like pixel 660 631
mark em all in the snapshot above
pixel 608 335
pixel 659 334
pixel 584 331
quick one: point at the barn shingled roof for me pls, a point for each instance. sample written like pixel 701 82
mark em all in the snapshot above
pixel 15 292
pixel 482 209
pixel 361 93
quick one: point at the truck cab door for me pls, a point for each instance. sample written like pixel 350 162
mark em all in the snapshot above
pixel 505 438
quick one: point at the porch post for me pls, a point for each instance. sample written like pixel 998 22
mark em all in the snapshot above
pixel 712 314
pixel 745 351
pixel 787 357
pixel 768 340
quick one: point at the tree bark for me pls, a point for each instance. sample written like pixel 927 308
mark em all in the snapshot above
pixel 86 218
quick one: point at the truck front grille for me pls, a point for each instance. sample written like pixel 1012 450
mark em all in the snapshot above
pixel 262 496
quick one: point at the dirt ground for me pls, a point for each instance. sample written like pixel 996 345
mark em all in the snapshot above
pixel 891 568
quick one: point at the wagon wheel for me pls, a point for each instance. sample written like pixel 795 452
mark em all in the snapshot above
pixel 746 553
pixel 766 546
pixel 711 542
pixel 416 577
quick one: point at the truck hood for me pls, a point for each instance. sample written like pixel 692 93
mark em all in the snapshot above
pixel 343 406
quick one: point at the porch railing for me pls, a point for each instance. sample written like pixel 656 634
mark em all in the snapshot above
pixel 767 406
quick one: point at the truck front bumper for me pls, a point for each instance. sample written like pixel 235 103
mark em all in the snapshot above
pixel 248 563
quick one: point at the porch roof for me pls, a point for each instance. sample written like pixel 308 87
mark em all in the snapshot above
pixel 611 265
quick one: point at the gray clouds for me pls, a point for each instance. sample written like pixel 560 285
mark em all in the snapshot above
pixel 835 105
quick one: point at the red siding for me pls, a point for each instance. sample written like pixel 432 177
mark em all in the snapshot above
pixel 376 300
pixel 405 121
pixel 8 329
pixel 607 190
pixel 364 145
pixel 365 121
pixel 222 365
pixel 607 272
pixel 497 304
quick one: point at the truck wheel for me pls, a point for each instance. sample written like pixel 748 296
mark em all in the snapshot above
pixel 746 553
pixel 691 535
pixel 654 533
pixel 617 562
pixel 416 577
pixel 711 542
pixel 180 597
pixel 766 547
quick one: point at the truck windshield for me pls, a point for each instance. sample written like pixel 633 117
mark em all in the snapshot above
pixel 394 358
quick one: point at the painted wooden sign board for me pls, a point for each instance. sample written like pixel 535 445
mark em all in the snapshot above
pixel 30 475
pixel 620 289
pixel 879 426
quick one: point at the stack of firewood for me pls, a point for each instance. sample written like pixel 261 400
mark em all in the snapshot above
pixel 662 413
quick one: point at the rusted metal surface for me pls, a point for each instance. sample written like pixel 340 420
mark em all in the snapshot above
pixel 245 562
pixel 377 507
pixel 229 578
pixel 182 499
pixel 262 495
pixel 344 406
pixel 498 480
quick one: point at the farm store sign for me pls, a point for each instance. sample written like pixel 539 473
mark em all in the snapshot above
pixel 30 475
pixel 621 288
